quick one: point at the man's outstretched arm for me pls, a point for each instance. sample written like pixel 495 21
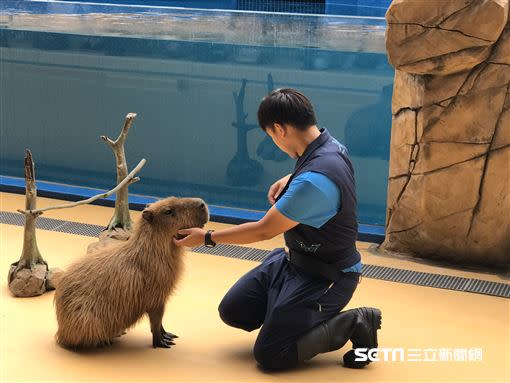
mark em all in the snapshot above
pixel 272 224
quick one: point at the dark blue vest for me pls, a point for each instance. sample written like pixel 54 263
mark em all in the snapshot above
pixel 334 242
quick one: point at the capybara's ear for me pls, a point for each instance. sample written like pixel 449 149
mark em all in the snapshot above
pixel 148 215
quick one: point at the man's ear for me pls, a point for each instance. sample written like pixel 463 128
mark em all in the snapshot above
pixel 281 130
pixel 148 215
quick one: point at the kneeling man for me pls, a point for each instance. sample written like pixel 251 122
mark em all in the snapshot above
pixel 296 296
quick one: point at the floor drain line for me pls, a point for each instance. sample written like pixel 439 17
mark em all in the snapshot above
pixel 390 274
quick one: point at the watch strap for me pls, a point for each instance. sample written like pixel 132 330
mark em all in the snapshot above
pixel 208 242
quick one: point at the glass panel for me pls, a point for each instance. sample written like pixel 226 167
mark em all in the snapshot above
pixel 70 71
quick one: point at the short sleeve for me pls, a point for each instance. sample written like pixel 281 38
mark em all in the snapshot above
pixel 311 199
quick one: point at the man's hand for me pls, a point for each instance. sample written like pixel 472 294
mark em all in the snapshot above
pixel 193 237
pixel 276 189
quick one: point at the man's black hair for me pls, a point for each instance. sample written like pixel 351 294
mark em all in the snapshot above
pixel 286 106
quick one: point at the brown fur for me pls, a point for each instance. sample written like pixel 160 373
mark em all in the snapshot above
pixel 108 291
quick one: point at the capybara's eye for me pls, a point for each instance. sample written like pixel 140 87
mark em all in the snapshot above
pixel 169 212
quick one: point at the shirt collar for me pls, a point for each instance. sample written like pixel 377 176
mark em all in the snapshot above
pixel 312 146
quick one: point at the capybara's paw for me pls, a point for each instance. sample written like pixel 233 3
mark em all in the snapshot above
pixel 167 335
pixel 162 342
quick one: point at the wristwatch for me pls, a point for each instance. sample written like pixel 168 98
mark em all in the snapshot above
pixel 208 242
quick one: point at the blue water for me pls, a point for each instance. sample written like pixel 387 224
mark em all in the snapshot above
pixel 69 77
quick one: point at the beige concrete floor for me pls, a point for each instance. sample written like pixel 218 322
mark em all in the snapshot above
pixel 207 350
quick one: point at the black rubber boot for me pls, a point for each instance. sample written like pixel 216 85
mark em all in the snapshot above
pixel 359 325
pixel 364 335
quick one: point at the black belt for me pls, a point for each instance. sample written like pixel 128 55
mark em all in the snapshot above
pixel 314 266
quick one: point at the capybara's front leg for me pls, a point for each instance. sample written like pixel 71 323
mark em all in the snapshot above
pixel 158 339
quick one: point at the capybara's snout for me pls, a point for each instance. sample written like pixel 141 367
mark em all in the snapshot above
pixel 199 212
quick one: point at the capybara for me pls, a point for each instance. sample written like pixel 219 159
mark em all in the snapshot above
pixel 109 290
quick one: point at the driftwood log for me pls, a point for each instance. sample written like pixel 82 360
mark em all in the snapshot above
pixel 121 218
pixel 30 276
pixel 120 225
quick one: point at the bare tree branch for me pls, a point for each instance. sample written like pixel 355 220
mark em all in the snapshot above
pixel 121 217
pixel 30 254
pixel 130 177
pixel 108 141
pixel 125 130
pixel 134 180
pixel 30 187
pixel 32 212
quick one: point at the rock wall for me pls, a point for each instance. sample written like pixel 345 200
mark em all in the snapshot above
pixel 449 181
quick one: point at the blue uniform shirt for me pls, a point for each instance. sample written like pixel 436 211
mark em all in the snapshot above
pixel 312 199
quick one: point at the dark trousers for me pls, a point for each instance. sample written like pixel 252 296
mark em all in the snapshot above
pixel 286 302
